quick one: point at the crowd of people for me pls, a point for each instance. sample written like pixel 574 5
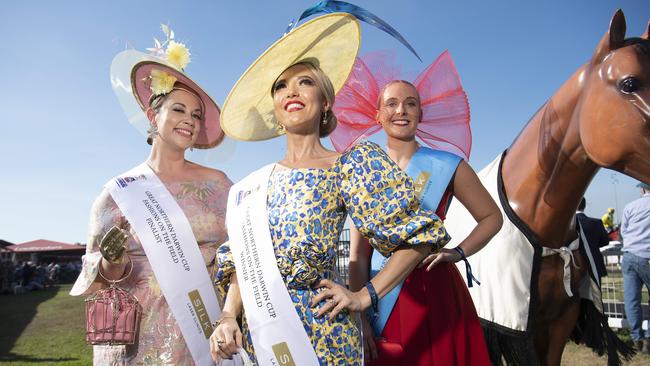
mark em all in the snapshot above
pixel 23 277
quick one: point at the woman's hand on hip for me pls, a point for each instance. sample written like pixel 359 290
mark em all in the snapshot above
pixel 337 299
pixel 443 255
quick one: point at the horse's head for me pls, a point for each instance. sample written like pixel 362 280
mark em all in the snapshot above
pixel 614 108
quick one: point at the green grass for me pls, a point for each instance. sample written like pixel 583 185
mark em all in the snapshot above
pixel 47 328
pixel 43 327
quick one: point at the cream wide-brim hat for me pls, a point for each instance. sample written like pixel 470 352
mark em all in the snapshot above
pixel 331 42
pixel 129 78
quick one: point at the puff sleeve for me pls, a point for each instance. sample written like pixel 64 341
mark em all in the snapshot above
pixel 381 201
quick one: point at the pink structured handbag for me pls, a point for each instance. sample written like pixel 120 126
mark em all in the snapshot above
pixel 112 314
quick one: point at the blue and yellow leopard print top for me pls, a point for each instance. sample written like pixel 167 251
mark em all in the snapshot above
pixel 307 210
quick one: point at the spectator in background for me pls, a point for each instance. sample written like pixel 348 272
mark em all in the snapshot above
pixel 6 276
pixel 39 281
pixel 635 230
pixel 18 273
pixel 27 273
pixel 596 237
pixel 608 220
pixel 54 273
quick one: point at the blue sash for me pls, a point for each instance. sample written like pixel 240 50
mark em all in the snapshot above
pixel 431 171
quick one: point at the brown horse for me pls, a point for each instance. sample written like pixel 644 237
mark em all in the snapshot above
pixel 600 117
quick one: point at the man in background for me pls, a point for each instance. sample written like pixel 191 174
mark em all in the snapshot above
pixel 635 230
pixel 596 237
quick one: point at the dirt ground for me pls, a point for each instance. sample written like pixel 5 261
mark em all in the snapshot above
pixel 581 355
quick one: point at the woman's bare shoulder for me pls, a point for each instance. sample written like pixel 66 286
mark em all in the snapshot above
pixel 201 172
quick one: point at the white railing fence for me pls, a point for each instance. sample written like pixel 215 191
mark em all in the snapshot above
pixel 612 289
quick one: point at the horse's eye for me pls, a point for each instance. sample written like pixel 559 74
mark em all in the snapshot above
pixel 629 85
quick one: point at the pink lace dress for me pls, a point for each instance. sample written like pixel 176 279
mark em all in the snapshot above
pixel 160 341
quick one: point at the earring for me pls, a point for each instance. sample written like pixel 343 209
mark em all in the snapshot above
pixel 191 148
pixel 279 127
pixel 151 133
pixel 324 121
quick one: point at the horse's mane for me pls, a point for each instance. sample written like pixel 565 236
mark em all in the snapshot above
pixel 641 45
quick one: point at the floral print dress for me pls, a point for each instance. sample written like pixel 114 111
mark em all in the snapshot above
pixel 159 341
pixel 307 210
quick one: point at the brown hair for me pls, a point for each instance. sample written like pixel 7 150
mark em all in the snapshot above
pixel 156 102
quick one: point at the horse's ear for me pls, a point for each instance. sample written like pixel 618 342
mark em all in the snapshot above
pixel 647 32
pixel 613 39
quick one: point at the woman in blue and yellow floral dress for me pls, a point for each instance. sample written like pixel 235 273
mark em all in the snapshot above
pixel 312 189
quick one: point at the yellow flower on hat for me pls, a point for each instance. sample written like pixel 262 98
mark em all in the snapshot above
pixel 178 55
pixel 161 82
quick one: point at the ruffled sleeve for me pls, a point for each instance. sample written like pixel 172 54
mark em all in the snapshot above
pixel 225 269
pixel 381 201
pixel 103 215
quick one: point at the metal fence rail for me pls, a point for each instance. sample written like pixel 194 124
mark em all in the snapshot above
pixel 343 256
pixel 612 289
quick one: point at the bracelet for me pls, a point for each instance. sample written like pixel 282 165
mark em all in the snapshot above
pixel 374 299
pixel 468 267
pixel 460 251
pixel 216 323
pixel 124 277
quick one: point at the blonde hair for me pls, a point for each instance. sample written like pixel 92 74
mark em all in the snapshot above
pixel 327 90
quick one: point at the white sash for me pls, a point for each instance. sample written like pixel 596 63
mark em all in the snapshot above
pixel 278 335
pixel 171 248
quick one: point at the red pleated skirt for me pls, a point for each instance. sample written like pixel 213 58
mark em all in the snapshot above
pixel 434 322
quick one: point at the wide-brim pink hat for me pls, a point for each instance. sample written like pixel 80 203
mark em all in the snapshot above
pixel 131 82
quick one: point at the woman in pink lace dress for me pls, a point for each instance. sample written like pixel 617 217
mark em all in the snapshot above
pixel 180 116
pixel 159 341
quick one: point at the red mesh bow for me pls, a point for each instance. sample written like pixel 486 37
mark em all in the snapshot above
pixel 445 109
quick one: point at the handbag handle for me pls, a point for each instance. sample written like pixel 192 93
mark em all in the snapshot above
pixel 113 282
pixel 245 360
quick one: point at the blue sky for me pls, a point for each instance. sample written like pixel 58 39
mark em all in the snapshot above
pixel 64 134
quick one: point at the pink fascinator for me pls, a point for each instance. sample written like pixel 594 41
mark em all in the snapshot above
pixel 445 109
